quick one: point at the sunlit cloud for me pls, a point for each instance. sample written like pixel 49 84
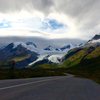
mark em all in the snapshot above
pixel 50 18
pixel 4 24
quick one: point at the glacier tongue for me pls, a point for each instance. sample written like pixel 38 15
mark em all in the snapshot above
pixel 94 41
pixel 40 58
pixel 52 53
pixel 55 58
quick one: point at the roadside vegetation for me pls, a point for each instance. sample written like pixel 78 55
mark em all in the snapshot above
pixel 83 63
pixel 29 73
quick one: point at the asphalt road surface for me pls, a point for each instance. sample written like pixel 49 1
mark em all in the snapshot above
pixel 49 88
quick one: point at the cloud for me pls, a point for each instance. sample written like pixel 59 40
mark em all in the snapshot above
pixel 85 13
pixel 18 5
pixel 52 24
pixel 71 18
pixel 4 24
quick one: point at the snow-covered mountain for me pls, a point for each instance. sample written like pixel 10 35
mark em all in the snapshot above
pixel 33 47
pixel 95 41
pixel 56 58
pixel 41 43
pixel 16 49
pixel 29 51
pixel 19 53
pixel 62 49
pixel 42 46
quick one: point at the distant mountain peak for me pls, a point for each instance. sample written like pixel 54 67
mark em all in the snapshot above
pixel 49 48
pixel 95 39
pixel 31 43
pixel 66 47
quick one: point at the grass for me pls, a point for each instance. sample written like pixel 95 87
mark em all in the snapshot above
pixel 20 58
pixel 73 60
pixel 29 73
pixel 89 67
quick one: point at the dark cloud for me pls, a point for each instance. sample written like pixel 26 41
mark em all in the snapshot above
pixel 17 5
pixel 85 12
pixel 74 7
pixel 78 9
pixel 44 5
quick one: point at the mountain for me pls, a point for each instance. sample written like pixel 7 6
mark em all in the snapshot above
pixel 31 43
pixel 49 56
pixel 78 58
pixel 94 41
pixel 70 46
pixel 26 51
pixel 83 61
pixel 65 47
pixel 19 53
pixel 96 38
pixel 42 59
pixel 62 49
pixel 79 54
pixel 41 43
pixel 50 48
pixel 83 54
pixel 53 54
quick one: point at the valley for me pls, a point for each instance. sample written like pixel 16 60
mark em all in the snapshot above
pixel 80 60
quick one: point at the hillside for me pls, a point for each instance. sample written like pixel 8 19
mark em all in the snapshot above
pixel 85 65
pixel 26 51
pixel 83 61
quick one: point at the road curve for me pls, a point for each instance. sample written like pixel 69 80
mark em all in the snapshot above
pixel 49 88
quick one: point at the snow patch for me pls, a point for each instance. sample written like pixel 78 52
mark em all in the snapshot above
pixel 94 41
pixel 40 58
pixel 56 58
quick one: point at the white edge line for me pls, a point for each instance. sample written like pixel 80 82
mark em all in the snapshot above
pixel 28 83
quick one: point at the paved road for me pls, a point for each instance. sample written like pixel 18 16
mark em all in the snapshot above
pixel 49 88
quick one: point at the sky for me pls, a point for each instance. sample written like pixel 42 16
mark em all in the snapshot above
pixel 50 18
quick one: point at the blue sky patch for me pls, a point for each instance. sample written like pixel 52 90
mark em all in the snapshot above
pixel 52 24
pixel 4 24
